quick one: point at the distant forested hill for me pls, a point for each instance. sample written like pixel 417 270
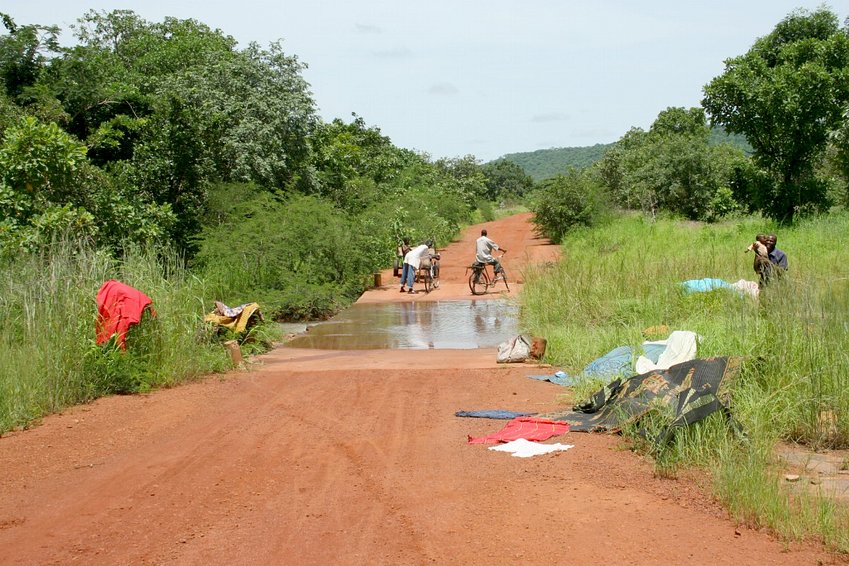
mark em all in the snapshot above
pixel 547 163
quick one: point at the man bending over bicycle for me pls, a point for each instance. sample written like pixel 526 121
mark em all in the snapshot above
pixel 484 251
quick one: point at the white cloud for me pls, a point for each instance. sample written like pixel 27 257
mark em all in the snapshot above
pixel 367 29
pixel 446 89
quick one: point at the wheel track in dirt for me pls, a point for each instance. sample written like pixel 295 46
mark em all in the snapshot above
pixel 362 454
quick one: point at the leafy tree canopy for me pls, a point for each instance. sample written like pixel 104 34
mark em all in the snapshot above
pixel 673 167
pixel 786 95
pixel 351 160
pixel 23 53
pixel 506 179
pixel 168 107
pixel 569 201
pixel 48 187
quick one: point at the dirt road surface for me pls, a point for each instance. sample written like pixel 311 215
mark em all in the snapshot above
pixel 332 457
pixel 514 234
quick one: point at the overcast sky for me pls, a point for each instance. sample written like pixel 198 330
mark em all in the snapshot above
pixel 460 77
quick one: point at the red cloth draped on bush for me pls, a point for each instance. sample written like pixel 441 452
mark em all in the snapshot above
pixel 529 428
pixel 119 306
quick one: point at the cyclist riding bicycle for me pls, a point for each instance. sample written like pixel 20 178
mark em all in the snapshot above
pixel 484 251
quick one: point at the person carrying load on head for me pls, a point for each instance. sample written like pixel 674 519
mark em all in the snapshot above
pixel 484 247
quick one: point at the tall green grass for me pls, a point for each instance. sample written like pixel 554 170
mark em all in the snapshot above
pixel 48 356
pixel 616 280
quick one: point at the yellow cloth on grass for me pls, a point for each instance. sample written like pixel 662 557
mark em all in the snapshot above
pixel 238 323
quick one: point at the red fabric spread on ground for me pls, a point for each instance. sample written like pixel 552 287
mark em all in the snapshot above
pixel 529 428
pixel 119 306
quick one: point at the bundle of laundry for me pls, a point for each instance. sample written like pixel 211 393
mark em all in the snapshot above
pixel 706 285
pixel 517 349
pixel 679 347
pixel 238 319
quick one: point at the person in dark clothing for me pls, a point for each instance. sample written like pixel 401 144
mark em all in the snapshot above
pixel 400 252
pixel 777 260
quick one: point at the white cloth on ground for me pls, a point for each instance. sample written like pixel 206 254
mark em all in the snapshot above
pixel 523 448
pixel 745 287
pixel 680 347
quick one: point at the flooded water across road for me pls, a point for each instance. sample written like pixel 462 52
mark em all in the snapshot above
pixel 459 325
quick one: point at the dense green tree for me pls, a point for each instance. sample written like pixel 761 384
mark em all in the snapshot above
pixel 786 95
pixel 170 107
pixel 101 99
pixel 464 176
pixel 151 50
pixel 355 164
pixel 678 121
pixel 622 157
pixel 836 165
pixel 257 113
pixel 37 166
pixel 682 174
pixel 565 202
pixel 48 187
pixel 674 167
pixel 10 113
pixel 24 51
pixel 170 167
pixel 153 115
pixel 268 116
pixel 505 179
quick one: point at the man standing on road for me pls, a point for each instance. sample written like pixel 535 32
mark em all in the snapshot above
pixel 484 251
pixel 412 261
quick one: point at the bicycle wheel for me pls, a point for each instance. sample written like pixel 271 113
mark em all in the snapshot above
pixel 434 277
pixel 478 282
pixel 427 280
pixel 504 278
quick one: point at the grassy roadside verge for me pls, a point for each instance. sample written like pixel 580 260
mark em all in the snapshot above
pixel 616 280
pixel 48 356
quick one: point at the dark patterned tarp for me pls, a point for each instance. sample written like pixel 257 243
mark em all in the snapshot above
pixel 692 390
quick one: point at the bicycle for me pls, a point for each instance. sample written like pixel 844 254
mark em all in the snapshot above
pixel 480 280
pixel 428 275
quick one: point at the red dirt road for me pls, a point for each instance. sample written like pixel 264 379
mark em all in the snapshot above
pixel 328 457
pixel 514 234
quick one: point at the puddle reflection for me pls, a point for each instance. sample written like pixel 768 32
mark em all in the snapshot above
pixel 447 325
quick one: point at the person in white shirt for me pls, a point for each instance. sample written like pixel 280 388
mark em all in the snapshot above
pixel 412 261
pixel 484 251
